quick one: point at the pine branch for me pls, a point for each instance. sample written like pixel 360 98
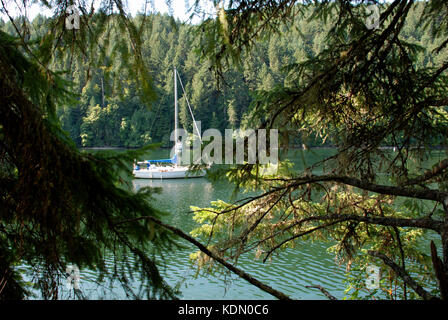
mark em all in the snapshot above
pixel 424 223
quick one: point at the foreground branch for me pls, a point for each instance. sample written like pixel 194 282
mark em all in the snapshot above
pixel 436 170
pixel 229 266
pixel 403 275
pixel 423 223
pixel 440 274
pixel 423 194
pixel 397 191
pixel 324 291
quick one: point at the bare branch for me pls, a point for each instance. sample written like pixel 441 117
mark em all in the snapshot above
pixel 298 236
pixel 403 275
pixel 324 291
pixel 436 170
pixel 423 194
pixel 220 260
pixel 440 274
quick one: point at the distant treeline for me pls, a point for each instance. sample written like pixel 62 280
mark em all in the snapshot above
pixel 109 112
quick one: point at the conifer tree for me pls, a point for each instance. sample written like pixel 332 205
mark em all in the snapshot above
pixel 60 206
pixel 365 88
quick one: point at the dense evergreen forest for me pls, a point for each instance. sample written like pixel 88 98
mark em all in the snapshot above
pixel 260 64
pixel 108 110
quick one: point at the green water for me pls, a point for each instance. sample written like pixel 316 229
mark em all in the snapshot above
pixel 289 271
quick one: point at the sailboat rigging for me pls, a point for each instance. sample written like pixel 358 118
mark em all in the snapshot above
pixel 154 169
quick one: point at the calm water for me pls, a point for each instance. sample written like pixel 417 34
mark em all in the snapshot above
pixel 290 271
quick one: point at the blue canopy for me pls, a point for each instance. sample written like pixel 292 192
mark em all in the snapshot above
pixel 172 160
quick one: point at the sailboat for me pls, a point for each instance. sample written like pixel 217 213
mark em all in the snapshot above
pixel 167 168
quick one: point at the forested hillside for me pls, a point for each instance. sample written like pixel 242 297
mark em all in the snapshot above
pixel 108 111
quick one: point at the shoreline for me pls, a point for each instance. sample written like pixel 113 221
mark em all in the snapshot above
pixel 290 148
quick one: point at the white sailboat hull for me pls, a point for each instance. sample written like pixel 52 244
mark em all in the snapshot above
pixel 167 173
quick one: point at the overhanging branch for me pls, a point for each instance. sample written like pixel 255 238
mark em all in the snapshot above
pixel 424 223
pixel 423 194
pixel 204 249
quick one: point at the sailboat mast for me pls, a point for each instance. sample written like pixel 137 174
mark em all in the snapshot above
pixel 176 136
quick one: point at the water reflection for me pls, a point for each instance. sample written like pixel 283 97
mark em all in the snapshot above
pixel 177 195
pixel 176 186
